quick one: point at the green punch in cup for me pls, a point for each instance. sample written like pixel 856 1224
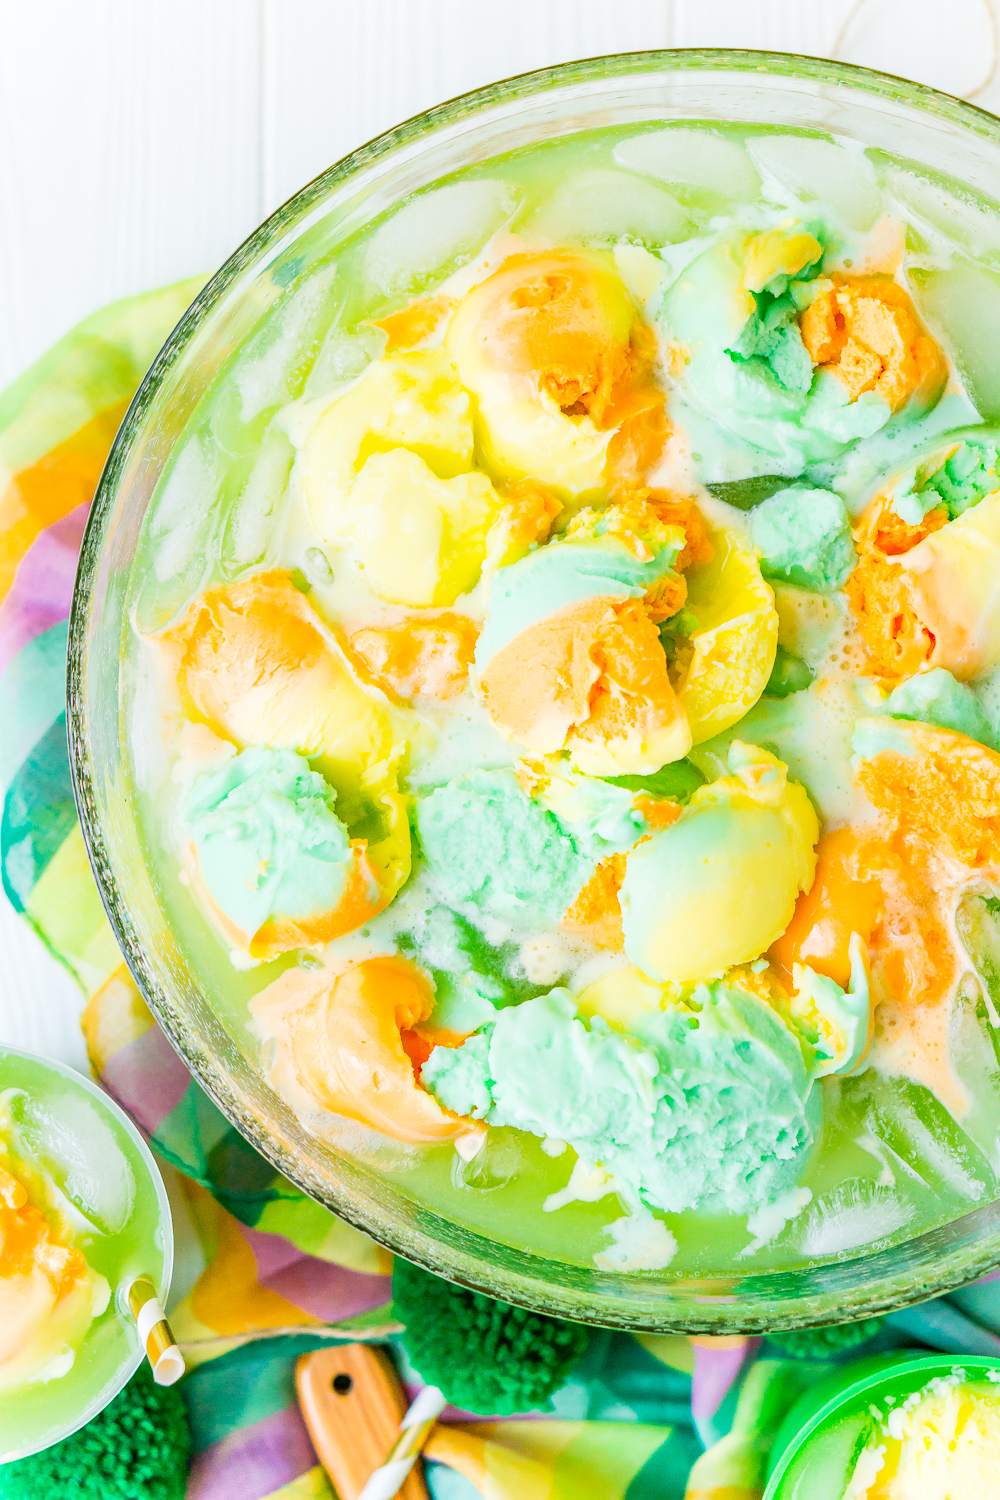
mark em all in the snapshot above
pixel 895 1427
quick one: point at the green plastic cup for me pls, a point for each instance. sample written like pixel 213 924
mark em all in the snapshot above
pixel 103 1183
pixel 817 1444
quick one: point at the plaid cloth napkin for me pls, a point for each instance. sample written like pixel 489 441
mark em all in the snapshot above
pixel 642 1416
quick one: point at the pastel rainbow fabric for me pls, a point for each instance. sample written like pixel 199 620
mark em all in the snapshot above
pixel 641 1417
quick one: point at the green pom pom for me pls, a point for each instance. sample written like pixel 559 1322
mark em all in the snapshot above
pixel 486 1356
pixel 820 1343
pixel 137 1448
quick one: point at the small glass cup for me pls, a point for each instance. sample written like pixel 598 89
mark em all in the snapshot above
pixel 109 1188
pixel 816 1444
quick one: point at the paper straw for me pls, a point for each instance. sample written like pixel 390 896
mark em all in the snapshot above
pixel 414 1430
pixel 165 1359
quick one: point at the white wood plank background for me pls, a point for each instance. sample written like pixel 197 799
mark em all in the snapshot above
pixel 141 140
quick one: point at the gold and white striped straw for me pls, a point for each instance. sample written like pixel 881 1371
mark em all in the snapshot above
pixel 415 1429
pixel 165 1359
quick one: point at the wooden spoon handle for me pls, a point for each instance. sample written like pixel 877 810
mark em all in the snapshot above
pixel 352 1403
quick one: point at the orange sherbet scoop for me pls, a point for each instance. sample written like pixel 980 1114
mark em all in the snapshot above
pixel 885 886
pixel 27 1240
pixel 587 672
pixel 419 657
pixel 844 898
pixel 582 408
pixel 633 701
pixel 48 1293
pixel 882 593
pixel 591 677
pixel 596 914
pixel 865 329
pixel 894 881
pixel 338 1046
pixel 255 661
pixel 946 791
pixel 565 321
